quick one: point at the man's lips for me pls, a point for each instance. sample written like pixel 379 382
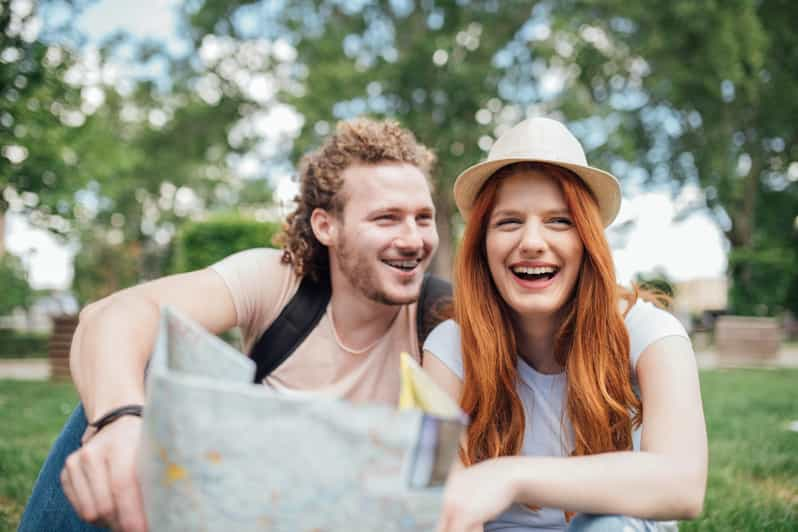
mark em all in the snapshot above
pixel 403 265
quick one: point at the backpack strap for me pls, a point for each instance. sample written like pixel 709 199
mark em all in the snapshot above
pixel 435 297
pixel 301 315
pixel 292 326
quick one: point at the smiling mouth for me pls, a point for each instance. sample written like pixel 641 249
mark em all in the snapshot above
pixel 526 273
pixel 403 265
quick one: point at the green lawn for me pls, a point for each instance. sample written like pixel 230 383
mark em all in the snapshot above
pixel 753 478
pixel 753 458
pixel 31 415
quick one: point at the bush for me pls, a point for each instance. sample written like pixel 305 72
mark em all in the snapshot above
pixel 761 280
pixel 16 344
pixel 200 244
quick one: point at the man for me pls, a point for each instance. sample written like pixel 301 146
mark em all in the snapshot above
pixel 365 219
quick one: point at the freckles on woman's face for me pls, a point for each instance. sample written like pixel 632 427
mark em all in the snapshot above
pixel 533 249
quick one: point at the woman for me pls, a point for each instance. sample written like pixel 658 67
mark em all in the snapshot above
pixel 584 399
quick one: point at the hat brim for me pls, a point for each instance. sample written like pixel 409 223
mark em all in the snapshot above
pixel 604 186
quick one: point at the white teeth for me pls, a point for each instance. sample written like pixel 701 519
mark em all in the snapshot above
pixel 408 264
pixel 534 271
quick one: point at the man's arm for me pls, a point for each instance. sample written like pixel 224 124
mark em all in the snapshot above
pixel 109 351
pixel 115 335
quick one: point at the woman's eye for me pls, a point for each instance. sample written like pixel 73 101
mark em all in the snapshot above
pixel 507 222
pixel 561 221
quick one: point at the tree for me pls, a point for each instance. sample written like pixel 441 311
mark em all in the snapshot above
pixel 17 293
pixel 431 66
pixel 39 118
pixel 703 92
pixel 114 169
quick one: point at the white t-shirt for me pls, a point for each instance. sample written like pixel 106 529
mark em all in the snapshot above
pixel 547 432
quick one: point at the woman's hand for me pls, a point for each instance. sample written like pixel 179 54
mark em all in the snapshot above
pixel 477 494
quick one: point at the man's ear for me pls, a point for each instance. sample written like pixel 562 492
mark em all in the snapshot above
pixel 325 226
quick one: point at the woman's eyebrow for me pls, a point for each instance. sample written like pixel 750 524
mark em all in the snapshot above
pixel 504 212
pixel 558 212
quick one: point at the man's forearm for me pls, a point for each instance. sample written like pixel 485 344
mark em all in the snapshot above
pixel 110 350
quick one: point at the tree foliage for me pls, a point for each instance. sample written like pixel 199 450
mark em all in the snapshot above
pixel 39 119
pixel 703 92
pixel 429 65
pixel 200 244
pixel 16 293
pixel 114 167
pixel 687 92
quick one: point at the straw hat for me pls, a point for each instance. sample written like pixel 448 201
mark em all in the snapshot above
pixel 546 141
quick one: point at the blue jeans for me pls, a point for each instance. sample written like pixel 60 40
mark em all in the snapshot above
pixel 610 523
pixel 48 508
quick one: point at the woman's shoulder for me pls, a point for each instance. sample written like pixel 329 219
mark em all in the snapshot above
pixel 647 323
pixel 646 313
pixel 444 344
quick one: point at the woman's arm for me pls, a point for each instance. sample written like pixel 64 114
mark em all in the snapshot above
pixel 665 480
pixel 443 376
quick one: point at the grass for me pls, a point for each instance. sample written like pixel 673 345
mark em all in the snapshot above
pixel 753 475
pixel 31 415
pixel 753 471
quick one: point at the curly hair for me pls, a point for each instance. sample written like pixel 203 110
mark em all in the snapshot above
pixel 355 141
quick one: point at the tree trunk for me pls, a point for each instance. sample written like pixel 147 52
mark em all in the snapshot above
pixel 2 230
pixel 742 229
pixel 443 261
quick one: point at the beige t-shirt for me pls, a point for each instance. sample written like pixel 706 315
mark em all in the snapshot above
pixel 261 285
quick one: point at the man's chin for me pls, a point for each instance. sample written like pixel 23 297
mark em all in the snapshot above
pixel 404 296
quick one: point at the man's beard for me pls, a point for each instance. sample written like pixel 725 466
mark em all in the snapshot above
pixel 359 271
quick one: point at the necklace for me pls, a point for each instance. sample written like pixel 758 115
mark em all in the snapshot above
pixel 349 349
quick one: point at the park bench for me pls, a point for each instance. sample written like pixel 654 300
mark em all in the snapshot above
pixel 747 338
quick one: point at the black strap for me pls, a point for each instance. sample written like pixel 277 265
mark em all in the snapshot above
pixel 292 326
pixel 301 315
pixel 436 294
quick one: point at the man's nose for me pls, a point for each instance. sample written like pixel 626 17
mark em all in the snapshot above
pixel 409 237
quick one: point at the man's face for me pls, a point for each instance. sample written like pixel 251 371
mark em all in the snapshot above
pixel 386 233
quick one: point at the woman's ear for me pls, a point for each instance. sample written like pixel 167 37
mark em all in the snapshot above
pixel 325 226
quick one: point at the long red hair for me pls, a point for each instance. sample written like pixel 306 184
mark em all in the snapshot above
pixel 592 343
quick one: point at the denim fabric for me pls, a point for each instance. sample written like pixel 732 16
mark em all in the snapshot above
pixel 611 523
pixel 48 508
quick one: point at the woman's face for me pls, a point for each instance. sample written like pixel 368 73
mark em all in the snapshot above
pixel 533 248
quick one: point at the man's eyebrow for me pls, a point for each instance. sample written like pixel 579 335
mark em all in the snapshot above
pixel 383 210
pixel 399 210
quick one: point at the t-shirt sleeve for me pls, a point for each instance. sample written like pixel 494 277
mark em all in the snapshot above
pixel 648 323
pixel 259 285
pixel 444 344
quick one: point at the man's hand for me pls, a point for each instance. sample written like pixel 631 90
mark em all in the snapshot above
pixel 99 479
pixel 477 494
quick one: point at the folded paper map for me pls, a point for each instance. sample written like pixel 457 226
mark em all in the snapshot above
pixel 220 453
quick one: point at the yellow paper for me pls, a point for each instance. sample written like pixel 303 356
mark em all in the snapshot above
pixel 419 391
